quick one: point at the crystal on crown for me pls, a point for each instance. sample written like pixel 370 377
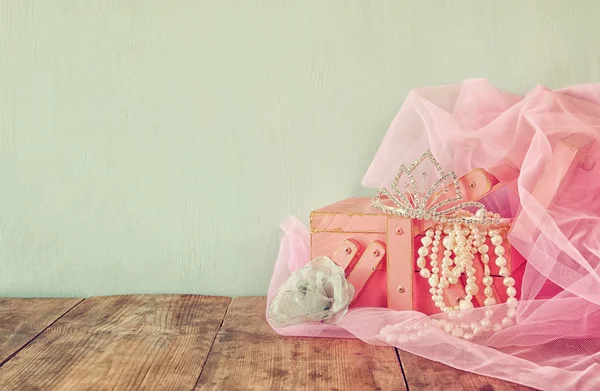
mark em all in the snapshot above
pixel 437 204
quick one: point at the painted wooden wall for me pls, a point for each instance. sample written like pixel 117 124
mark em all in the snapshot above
pixel 153 146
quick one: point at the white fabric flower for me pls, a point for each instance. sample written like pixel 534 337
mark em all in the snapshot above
pixel 317 292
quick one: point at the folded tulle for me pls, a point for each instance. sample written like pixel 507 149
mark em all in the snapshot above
pixel 555 343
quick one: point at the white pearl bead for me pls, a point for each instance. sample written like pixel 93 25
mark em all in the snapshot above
pixel 487 281
pixel 511 291
pixel 489 313
pixel 480 214
pixel 499 251
pixel 425 273
pixel 452 280
pixel 457 332
pixel 421 262
pixel 464 305
pixel 433 255
pixel 468 336
pixel 496 240
pixel 461 314
pixel 507 322
pixel 426 241
pixel 490 301
pixel 497 327
pixel 474 325
pixel 429 233
pixel 447 242
pixel 432 291
pixel 500 261
pixel 485 258
pixel 472 289
pixel 504 272
pixel 512 302
pixel 484 249
pixel 423 251
pixel 433 280
pixel 511 312
pixel 509 281
pixel 448 253
pixel 485 323
pixel 488 291
pixel 453 315
pixel 448 327
pixel 477 331
pixel 435 270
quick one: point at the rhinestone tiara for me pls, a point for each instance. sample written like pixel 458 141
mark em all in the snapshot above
pixel 435 204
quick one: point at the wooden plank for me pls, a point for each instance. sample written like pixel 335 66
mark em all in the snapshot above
pixel 248 355
pixel 21 320
pixel 121 343
pixel 423 374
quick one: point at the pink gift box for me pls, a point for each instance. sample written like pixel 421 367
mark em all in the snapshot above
pixel 378 250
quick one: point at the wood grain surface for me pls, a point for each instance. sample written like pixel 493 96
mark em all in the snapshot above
pixel 423 374
pixel 21 320
pixel 248 355
pixel 121 343
pixel 184 342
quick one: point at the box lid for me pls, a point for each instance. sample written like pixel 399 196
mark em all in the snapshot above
pixel 350 215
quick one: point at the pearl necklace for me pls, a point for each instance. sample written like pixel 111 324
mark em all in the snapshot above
pixel 463 242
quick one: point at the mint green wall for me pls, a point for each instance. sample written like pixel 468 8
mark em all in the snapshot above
pixel 154 146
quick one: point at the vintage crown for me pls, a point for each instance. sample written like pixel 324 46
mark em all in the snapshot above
pixel 434 205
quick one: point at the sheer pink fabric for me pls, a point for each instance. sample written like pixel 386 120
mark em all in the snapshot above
pixel 555 344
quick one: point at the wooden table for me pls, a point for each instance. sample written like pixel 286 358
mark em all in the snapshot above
pixel 186 342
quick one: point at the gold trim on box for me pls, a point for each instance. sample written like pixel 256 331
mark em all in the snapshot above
pixel 340 231
pixel 345 214
pixel 314 230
